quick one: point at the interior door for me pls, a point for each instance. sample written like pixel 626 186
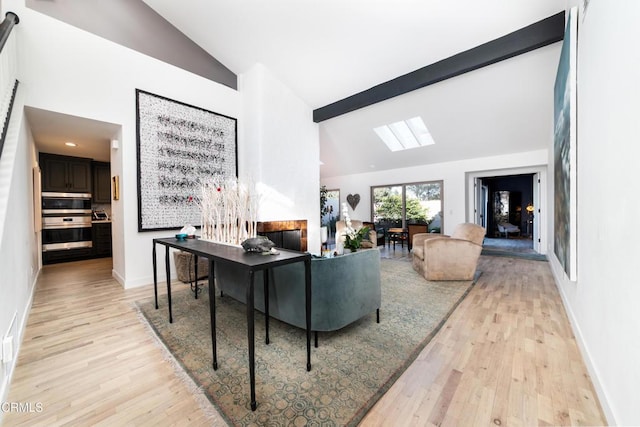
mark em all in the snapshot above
pixel 484 200
pixel 479 204
pixel 536 212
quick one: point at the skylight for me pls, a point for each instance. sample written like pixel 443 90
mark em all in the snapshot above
pixel 405 134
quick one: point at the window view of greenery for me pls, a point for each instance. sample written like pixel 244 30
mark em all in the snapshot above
pixel 420 203
pixel 329 207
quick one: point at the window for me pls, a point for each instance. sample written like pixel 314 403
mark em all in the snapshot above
pixel 402 204
pixel 331 211
pixel 405 134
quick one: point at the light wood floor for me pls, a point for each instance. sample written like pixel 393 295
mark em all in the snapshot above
pixel 506 357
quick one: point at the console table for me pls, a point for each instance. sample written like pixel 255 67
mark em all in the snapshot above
pixel 220 255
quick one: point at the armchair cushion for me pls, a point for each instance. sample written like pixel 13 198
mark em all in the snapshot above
pixel 442 257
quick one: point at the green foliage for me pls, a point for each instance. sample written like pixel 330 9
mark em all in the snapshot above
pixel 323 200
pixel 415 211
pixel 425 191
pixel 326 209
pixel 354 240
pixel 389 206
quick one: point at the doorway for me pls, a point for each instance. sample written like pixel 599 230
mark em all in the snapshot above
pixel 76 153
pixel 508 205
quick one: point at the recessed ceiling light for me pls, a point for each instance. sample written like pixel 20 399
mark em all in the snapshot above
pixel 405 134
pixel 70 144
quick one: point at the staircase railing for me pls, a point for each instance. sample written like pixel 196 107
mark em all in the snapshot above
pixel 8 71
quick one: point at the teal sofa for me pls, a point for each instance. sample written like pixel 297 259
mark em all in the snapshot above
pixel 343 289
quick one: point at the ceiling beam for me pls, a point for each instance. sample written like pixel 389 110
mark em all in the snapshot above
pixel 534 36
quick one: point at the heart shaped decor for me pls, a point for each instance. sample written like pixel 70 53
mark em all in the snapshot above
pixel 353 200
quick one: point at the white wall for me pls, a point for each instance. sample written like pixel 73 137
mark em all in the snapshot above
pixel 75 72
pixel 454 175
pixel 64 69
pixel 281 147
pixel 19 260
pixel 603 303
pixel 70 71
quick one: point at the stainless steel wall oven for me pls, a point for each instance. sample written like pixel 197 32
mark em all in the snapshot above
pixel 66 221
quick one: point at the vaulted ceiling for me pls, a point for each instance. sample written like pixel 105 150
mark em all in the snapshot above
pixel 326 50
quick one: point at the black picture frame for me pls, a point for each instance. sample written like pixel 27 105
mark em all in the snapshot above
pixel 178 146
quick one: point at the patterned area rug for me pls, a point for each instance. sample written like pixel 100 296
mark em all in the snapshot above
pixel 351 369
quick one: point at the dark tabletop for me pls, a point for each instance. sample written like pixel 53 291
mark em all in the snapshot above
pixel 234 254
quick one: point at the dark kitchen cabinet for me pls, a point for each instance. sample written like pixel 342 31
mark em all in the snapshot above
pixel 101 239
pixel 101 182
pixel 54 257
pixel 65 174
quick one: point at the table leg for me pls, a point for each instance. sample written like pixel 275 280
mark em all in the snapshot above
pixel 251 338
pixel 155 275
pixel 168 268
pixel 266 273
pixel 195 272
pixel 212 313
pixel 307 297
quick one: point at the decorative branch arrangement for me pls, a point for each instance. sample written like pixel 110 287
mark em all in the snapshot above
pixel 229 211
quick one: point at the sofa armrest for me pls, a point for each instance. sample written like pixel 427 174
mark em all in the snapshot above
pixel 420 238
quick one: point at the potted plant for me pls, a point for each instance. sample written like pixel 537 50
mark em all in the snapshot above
pixel 353 238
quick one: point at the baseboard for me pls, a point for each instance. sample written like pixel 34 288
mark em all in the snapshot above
pixel 584 350
pixel 143 281
pixel 118 277
pixel 4 390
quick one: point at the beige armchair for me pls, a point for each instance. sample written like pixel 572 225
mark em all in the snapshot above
pixel 442 257
pixel 356 224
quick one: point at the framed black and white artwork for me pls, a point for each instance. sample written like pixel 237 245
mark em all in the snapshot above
pixel 179 146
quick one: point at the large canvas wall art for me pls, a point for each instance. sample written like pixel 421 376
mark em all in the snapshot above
pixel 564 156
pixel 179 146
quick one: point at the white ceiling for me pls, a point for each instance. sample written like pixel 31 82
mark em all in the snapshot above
pixel 51 130
pixel 326 50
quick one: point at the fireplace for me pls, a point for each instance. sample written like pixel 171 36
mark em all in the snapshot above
pixel 285 234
